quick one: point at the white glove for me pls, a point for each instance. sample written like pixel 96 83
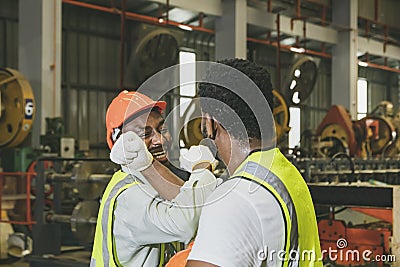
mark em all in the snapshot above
pixel 130 151
pixel 196 155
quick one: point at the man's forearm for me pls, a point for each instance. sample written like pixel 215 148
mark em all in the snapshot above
pixel 166 183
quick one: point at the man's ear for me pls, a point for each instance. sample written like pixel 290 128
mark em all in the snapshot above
pixel 208 123
pixel 217 127
pixel 210 126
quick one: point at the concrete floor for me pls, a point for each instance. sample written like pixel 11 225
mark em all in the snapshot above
pixel 80 257
pixel 20 263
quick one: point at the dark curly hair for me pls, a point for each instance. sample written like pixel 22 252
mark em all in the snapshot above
pixel 259 75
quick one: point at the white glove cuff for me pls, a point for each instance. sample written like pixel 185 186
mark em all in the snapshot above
pixel 213 164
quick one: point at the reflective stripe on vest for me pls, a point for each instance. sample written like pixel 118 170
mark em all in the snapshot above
pixel 262 176
pixel 104 244
pixel 271 170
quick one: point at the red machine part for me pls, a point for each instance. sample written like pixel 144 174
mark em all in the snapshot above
pixel 28 177
pixel 339 115
pixel 352 246
pixel 31 169
pixel 382 214
pixel 373 126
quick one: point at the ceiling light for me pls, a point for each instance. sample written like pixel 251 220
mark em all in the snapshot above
pixel 288 41
pixel 362 64
pixel 297 50
pixel 297 73
pixel 185 27
pixel 160 20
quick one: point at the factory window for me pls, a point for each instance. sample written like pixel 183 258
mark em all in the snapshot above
pixel 187 89
pixel 294 134
pixel 187 77
pixel 362 98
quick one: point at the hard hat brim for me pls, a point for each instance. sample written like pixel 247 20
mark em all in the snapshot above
pixel 161 105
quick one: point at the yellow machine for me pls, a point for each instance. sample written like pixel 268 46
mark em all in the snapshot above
pixel 281 115
pixel 17 108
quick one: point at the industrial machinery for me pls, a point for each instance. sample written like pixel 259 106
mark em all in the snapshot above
pixel 300 80
pixel 281 116
pixel 375 135
pixel 17 112
pixel 65 219
pixel 154 50
pixel 17 108
pixel 353 172
pixel 355 201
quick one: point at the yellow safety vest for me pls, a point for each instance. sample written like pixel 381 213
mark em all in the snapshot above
pixel 275 173
pixel 104 250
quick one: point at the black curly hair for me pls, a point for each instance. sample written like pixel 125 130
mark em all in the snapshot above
pixel 259 75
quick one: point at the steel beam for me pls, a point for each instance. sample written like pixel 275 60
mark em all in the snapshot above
pixel 231 30
pixel 262 18
pixel 40 58
pixel 344 56
pixel 374 47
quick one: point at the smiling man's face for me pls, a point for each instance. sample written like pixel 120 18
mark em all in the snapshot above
pixel 152 129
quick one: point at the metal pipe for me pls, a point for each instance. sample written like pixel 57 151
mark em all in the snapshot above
pixel 67 177
pixel 28 176
pixel 167 13
pixel 385 38
pixel 287 47
pixel 298 8
pixel 54 64
pixel 58 218
pixel 28 200
pixel 323 15
pixel 278 52
pixel 122 45
pixel 201 18
pixel 62 218
pixel 59 177
pixel 153 20
pixel 382 67
pixel 102 178
pixel 356 172
pixel 304 32
pixel 269 6
pixel 135 16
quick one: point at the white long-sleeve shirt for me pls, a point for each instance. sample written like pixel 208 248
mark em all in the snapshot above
pixel 143 220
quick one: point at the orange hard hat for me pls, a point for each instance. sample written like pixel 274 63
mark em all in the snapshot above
pixel 180 258
pixel 124 106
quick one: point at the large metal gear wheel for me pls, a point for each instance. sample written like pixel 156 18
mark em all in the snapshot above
pixel 17 108
pixel 281 115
